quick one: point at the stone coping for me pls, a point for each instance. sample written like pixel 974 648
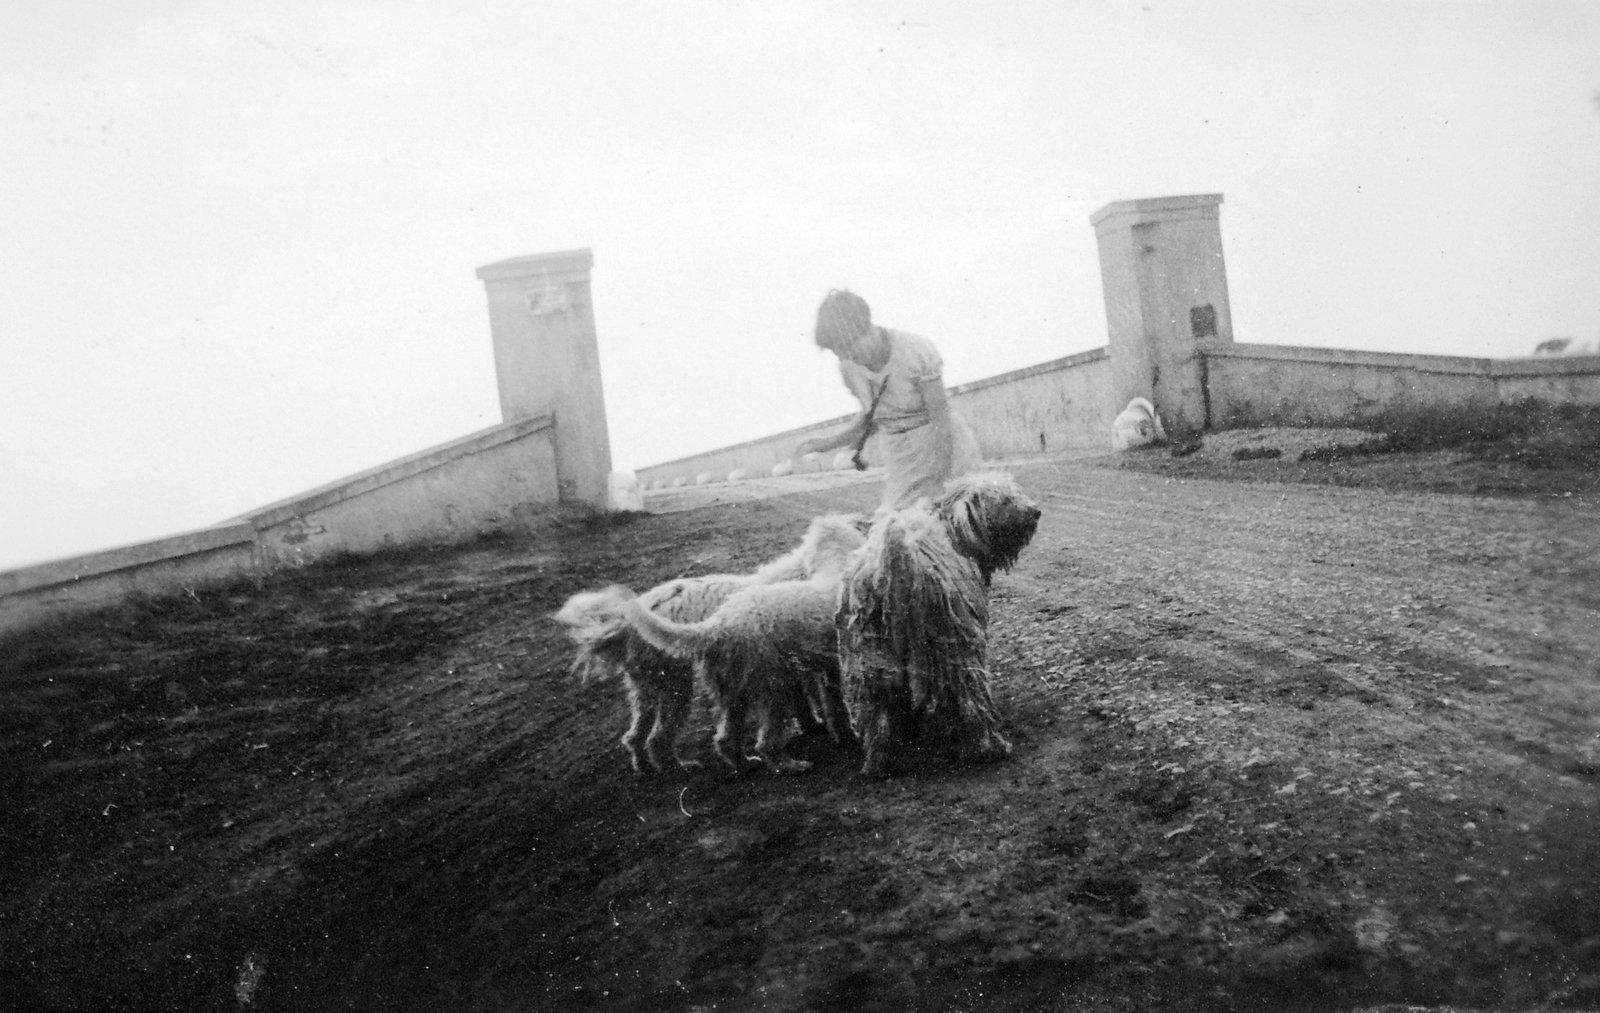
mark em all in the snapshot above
pixel 395 471
pixel 1574 365
pixel 1049 366
pixel 1198 205
pixel 1567 365
pixel 561 262
pixel 65 571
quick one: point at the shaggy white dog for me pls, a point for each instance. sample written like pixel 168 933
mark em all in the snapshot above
pixel 913 618
pixel 660 685
pixel 1137 426
pixel 769 653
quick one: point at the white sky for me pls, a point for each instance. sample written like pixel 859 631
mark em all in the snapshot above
pixel 237 240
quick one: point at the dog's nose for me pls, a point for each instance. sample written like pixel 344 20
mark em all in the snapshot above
pixel 1036 512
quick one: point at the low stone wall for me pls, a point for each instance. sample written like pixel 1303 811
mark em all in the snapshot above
pixel 756 457
pixel 34 594
pixel 496 479
pixel 1554 381
pixel 1068 404
pixel 1056 405
pixel 499 478
pixel 1280 385
pixel 1063 404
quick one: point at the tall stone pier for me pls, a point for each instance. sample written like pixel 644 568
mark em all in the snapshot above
pixel 541 318
pixel 1166 291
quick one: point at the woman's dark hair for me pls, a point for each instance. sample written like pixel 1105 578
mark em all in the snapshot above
pixel 843 314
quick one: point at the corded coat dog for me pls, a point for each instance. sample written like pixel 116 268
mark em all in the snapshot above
pixel 913 618
pixel 660 685
pixel 769 653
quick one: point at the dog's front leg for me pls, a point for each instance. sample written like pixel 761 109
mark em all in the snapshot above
pixel 639 702
pixel 730 729
pixel 671 709
pixel 770 738
pixel 980 721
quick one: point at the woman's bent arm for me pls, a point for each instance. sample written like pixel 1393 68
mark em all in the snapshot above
pixel 845 438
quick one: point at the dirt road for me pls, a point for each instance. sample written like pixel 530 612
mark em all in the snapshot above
pixel 1278 746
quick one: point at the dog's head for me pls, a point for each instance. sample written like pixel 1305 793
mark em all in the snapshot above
pixel 990 520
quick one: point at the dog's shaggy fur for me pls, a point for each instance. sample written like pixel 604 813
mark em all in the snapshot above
pixel 660 685
pixel 913 618
pixel 769 652
pixel 1138 425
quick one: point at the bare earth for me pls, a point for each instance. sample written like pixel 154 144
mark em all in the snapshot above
pixel 1310 737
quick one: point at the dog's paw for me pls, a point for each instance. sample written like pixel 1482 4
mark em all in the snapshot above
pixel 736 764
pixel 992 749
pixel 876 767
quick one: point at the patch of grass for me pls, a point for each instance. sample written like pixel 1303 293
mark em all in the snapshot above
pixel 1528 430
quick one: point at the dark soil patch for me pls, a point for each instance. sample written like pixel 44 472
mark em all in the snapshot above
pixel 1524 449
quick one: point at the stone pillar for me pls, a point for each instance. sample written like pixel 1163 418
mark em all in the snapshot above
pixel 1165 290
pixel 541 318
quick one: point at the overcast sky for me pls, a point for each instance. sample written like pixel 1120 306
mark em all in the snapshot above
pixel 237 239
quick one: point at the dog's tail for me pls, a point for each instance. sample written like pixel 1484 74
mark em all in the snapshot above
pixel 680 640
pixel 597 623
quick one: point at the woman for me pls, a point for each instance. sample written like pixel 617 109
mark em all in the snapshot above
pixel 898 378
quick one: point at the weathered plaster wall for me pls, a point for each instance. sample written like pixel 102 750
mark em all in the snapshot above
pixel 500 478
pixel 1058 405
pixel 497 479
pixel 34 594
pixel 1055 405
pixel 1166 289
pixel 1573 380
pixel 755 456
pixel 547 361
pixel 1260 385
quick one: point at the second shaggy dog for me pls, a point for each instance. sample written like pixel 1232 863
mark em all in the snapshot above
pixel 769 652
pixel 913 618
pixel 660 685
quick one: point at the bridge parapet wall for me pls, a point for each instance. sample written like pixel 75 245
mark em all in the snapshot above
pixel 500 478
pixel 1284 385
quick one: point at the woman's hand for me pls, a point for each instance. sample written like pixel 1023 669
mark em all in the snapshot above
pixel 821 444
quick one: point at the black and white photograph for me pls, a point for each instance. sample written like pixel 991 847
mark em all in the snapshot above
pixel 661 506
